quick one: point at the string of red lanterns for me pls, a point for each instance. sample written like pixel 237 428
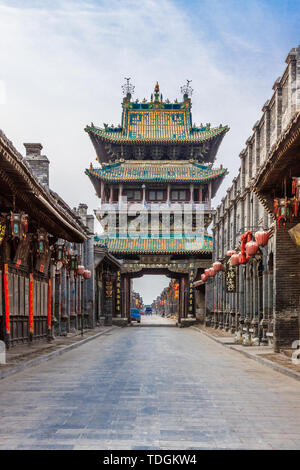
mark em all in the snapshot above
pixel 235 259
pixel 262 237
pixel 217 266
pixel 249 247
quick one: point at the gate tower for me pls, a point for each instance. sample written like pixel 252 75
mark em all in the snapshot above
pixel 155 180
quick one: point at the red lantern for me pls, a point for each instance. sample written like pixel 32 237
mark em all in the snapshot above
pixel 203 277
pixel 217 266
pixel 87 274
pixel 230 253
pixel 206 272
pixel 212 272
pixel 251 248
pixel 262 237
pixel 80 270
pixel 235 259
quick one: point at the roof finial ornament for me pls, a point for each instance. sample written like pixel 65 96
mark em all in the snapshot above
pixel 186 89
pixel 156 93
pixel 128 88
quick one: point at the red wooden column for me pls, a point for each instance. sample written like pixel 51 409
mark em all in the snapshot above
pixel 31 324
pixel 6 303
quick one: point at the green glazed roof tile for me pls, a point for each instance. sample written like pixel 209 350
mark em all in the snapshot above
pixel 161 128
pixel 159 172
pixel 144 245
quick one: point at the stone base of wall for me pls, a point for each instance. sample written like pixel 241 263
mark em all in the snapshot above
pixel 187 322
pixel 117 321
pixel 200 317
pixel 286 330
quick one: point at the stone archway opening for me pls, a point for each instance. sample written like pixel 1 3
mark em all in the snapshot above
pixel 157 299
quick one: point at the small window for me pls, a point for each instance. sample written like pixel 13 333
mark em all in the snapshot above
pixel 156 195
pixel 133 195
pixel 174 195
pixel 182 195
pixel 159 195
pixel 179 195
pixel 129 195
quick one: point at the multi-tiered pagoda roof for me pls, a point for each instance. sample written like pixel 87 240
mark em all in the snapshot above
pixel 167 126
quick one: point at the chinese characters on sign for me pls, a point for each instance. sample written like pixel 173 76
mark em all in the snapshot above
pixel 108 288
pixel 230 277
pixel 191 290
pixel 118 294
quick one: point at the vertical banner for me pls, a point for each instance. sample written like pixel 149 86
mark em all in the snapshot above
pixel 49 303
pixel 191 291
pixel 118 292
pixel 31 328
pixel 6 300
pixel 230 277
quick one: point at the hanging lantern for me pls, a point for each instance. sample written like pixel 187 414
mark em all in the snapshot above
pixel 206 272
pixel 230 253
pixel 80 270
pixel 60 252
pixel 18 224
pixel 217 266
pixel 42 242
pixel 87 274
pixel 235 259
pixel 73 264
pixel 203 277
pixel 283 210
pixel 251 248
pixel 262 237
pixel 24 224
pixel 296 186
pixel 296 193
pixel 212 272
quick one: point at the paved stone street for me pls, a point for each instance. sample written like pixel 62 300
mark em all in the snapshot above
pixel 151 387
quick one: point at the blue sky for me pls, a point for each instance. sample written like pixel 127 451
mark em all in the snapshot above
pixel 63 63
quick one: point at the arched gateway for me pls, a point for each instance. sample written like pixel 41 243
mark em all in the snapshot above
pixel 155 182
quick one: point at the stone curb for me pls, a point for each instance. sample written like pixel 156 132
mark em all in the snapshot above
pixel 47 357
pixel 262 360
pixel 154 326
